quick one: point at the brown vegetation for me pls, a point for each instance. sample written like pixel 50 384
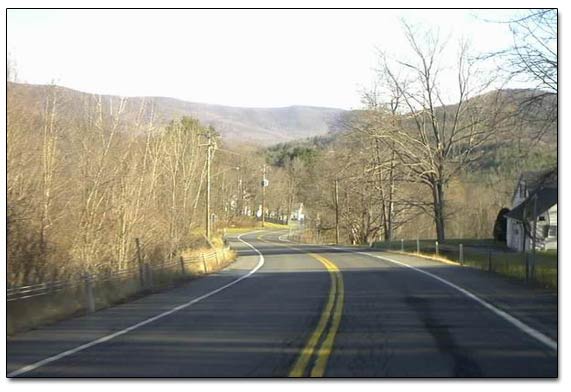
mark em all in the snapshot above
pixel 69 298
pixel 82 189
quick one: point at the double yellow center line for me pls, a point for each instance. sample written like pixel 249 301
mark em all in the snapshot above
pixel 320 344
pixel 329 320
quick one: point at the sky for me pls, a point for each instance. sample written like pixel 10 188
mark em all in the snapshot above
pixel 251 58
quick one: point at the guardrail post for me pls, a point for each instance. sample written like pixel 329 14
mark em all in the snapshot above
pixel 204 264
pixel 89 297
pixel 401 245
pixel 436 248
pixel 182 265
pixel 461 254
pixel 417 245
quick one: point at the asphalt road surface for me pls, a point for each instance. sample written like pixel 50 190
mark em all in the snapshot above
pixel 286 309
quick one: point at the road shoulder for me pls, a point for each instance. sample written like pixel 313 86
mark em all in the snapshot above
pixel 25 348
pixel 535 306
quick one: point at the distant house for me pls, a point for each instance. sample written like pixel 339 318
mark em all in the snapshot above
pixel 534 195
pixel 298 214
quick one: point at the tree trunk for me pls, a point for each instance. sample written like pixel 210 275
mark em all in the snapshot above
pixel 389 235
pixel 438 204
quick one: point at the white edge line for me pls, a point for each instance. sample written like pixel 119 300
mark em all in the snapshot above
pixel 537 335
pixel 280 238
pixel 106 338
pixel 546 340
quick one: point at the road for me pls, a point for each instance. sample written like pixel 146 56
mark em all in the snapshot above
pixel 285 309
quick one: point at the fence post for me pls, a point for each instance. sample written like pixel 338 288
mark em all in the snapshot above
pixel 89 297
pixel 401 245
pixel 436 247
pixel 461 254
pixel 140 263
pixel 204 264
pixel 182 265
pixel 489 260
pixel 526 259
pixel 417 245
pixel 532 264
pixel 149 276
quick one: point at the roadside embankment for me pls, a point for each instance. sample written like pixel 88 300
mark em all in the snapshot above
pixel 540 269
pixel 254 226
pixel 32 306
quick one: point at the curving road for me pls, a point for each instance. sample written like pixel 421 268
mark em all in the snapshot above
pixel 285 309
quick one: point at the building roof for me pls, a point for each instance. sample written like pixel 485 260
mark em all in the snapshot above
pixel 541 184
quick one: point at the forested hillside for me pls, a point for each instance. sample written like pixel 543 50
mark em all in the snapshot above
pixel 260 126
pixel 89 174
pixel 372 179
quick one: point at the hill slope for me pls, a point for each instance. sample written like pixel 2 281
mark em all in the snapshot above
pixel 526 138
pixel 262 126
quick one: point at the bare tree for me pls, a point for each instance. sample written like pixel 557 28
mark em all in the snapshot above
pixel 533 55
pixel 98 140
pixel 180 161
pixel 532 59
pixel 11 68
pixel 87 175
pixel 435 140
pixel 48 166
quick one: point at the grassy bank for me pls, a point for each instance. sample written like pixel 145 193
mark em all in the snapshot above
pixel 487 255
pixel 29 313
pixel 254 225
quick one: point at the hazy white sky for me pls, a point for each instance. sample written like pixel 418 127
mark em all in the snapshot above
pixel 233 57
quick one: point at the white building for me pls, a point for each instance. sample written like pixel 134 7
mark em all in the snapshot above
pixel 535 195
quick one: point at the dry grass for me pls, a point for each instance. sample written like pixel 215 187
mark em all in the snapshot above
pixel 501 262
pixel 240 230
pixel 252 227
pixel 428 256
pixel 33 312
pixel 271 225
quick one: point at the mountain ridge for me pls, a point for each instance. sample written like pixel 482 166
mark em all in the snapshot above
pixel 260 125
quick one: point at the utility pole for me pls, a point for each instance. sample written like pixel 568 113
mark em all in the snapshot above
pixel 263 193
pixel 240 189
pixel 209 149
pixel 240 200
pixel 336 211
